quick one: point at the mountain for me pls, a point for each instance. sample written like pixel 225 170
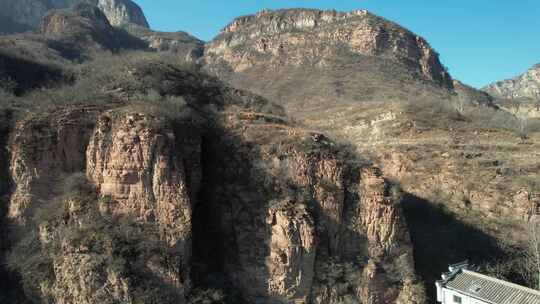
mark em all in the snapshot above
pixel 180 43
pixel 124 173
pixel 526 85
pixel 382 89
pixel 41 59
pixel 120 12
pixel 83 22
pixel 27 14
pixel 312 61
pixel 137 167
pixel 136 180
pixel 341 52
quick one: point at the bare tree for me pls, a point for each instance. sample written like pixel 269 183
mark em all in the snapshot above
pixel 460 104
pixel 515 107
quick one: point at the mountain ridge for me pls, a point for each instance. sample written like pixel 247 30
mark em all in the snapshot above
pixel 272 34
pixel 30 12
pixel 526 85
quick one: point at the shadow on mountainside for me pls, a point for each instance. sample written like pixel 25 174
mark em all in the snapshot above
pixel 234 241
pixel 439 239
pixel 10 289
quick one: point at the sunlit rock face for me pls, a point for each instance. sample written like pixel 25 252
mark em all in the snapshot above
pixel 313 37
pixel 526 85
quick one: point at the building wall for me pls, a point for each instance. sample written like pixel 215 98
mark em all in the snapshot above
pixel 448 298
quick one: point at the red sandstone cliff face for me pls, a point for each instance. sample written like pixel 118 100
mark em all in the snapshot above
pixel 319 38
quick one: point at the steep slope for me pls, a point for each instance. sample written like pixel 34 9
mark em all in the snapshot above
pixel 169 180
pixel 120 12
pixel 467 169
pixel 347 56
pixel 180 43
pixel 469 95
pixel 84 25
pixel 526 85
pixel 45 59
pixel 28 13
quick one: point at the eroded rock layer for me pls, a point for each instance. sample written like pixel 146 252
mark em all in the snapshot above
pixel 299 37
pixel 221 193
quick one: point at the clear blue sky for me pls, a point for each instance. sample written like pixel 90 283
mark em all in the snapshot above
pixel 479 40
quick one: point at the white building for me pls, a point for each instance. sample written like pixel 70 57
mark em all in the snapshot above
pixel 463 286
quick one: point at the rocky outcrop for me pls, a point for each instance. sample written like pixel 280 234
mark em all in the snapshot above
pixel 120 12
pixel 526 85
pixel 225 194
pixel 84 277
pixel 316 38
pixel 151 174
pixel 283 215
pixel 293 221
pixel 84 25
pixel 43 150
pixel 28 13
pixel 180 44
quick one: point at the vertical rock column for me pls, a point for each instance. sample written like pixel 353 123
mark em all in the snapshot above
pixel 389 244
pixel 144 169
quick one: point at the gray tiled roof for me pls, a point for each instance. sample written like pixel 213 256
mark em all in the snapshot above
pixel 491 290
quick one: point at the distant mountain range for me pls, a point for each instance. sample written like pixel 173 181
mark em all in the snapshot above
pixel 526 85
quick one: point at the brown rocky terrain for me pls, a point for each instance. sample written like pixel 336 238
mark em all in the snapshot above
pixel 134 177
pixel 179 43
pixel 84 22
pixel 314 38
pixel 128 202
pixel 65 37
pixel 468 167
pixel 23 15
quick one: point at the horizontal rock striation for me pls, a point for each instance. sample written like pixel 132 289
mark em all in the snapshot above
pixel 311 37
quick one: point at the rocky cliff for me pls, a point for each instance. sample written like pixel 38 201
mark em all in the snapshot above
pixel 27 14
pixel 459 156
pixel 120 12
pixel 292 217
pixel 84 25
pixel 526 85
pixel 180 43
pixel 299 37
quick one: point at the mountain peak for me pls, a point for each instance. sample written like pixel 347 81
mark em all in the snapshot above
pixel 526 85
pixel 300 37
pixel 120 12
